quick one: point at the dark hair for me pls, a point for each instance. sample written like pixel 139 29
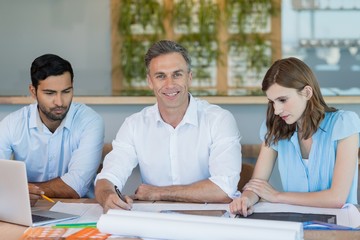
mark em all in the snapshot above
pixel 163 47
pixel 49 65
pixel 293 73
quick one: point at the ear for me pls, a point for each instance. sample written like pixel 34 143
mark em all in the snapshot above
pixel 149 81
pixel 190 78
pixel 32 91
pixel 308 92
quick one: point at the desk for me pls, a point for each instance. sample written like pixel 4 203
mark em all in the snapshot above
pixel 12 231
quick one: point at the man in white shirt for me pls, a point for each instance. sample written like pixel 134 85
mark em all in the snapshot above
pixel 187 149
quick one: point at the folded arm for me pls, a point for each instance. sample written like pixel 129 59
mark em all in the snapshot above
pixel 334 197
pixel 56 188
pixel 200 192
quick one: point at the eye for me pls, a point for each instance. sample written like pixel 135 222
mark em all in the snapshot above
pixel 282 100
pixel 160 76
pixel 177 75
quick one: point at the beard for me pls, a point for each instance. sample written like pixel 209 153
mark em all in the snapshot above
pixel 53 116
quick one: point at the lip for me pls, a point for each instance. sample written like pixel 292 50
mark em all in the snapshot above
pixel 284 117
pixel 58 111
pixel 171 95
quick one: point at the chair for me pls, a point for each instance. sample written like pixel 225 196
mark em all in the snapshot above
pixel 247 170
pixel 106 149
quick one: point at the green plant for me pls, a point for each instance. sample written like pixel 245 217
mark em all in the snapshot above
pixel 197 21
pixel 195 24
pixel 246 20
pixel 140 24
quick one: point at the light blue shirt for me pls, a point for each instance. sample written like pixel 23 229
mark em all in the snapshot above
pixel 205 145
pixel 295 175
pixel 72 152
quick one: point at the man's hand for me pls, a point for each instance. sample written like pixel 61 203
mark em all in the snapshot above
pixel 148 193
pixel 107 197
pixel 241 205
pixel 34 193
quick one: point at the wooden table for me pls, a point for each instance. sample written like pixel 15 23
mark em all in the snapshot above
pixel 10 231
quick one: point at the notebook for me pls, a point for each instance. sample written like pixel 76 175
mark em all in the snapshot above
pixel 14 198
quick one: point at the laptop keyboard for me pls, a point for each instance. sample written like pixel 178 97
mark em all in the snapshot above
pixel 37 218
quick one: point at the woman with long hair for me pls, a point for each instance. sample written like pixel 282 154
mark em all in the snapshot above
pixel 316 146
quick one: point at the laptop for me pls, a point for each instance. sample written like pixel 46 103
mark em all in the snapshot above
pixel 14 198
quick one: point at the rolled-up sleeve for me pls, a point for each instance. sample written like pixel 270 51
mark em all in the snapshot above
pixel 120 162
pixel 225 154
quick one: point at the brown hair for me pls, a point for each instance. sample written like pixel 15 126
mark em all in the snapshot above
pixel 293 73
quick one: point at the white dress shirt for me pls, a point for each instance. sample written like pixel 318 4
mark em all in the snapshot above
pixel 205 145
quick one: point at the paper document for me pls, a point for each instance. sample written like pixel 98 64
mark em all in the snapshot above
pixel 347 216
pixel 88 212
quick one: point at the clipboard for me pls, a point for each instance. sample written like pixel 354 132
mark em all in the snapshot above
pixel 292 217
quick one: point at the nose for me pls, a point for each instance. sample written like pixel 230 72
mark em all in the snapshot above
pixel 169 81
pixel 58 100
pixel 277 109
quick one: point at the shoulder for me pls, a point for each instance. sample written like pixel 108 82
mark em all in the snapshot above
pixel 81 113
pixel 215 117
pixel 20 116
pixel 341 117
pixel 145 114
pixel 211 110
pixel 341 124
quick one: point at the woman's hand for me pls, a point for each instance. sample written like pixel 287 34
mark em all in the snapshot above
pixel 263 189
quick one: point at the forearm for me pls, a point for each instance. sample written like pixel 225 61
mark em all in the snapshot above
pixel 325 198
pixel 199 192
pixel 57 188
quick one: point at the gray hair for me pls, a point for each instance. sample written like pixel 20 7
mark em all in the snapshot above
pixel 164 47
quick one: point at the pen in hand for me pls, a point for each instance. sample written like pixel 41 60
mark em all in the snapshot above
pixel 47 198
pixel 120 195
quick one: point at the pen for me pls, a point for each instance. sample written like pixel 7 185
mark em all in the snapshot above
pixel 76 225
pixel 47 198
pixel 119 194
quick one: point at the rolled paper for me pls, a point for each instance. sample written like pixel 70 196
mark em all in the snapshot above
pixel 182 226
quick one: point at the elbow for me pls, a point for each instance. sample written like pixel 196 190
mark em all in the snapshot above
pixel 337 202
pixel 336 205
pixel 224 198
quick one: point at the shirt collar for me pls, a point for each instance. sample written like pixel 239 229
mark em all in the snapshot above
pixel 35 120
pixel 190 116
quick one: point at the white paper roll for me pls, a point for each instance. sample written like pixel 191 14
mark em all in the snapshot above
pixel 179 226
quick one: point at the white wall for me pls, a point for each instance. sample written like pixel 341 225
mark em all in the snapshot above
pixel 78 31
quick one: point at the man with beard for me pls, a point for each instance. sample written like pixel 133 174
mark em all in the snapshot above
pixel 60 141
